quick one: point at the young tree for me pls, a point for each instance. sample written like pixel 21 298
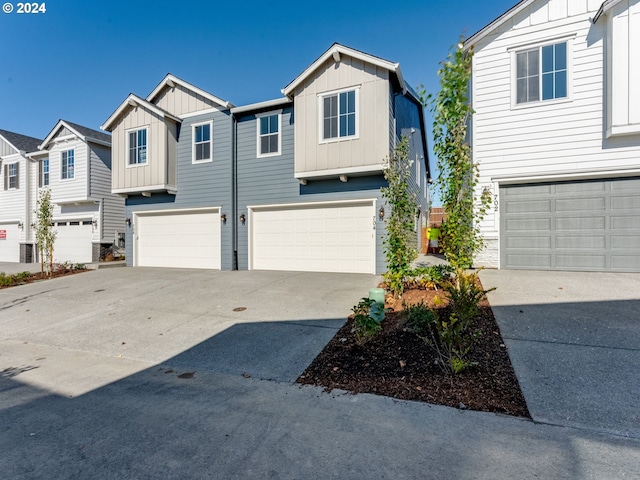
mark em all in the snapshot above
pixel 399 239
pixel 461 238
pixel 45 235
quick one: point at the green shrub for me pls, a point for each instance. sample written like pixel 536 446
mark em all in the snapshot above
pixel 367 317
pixel 419 317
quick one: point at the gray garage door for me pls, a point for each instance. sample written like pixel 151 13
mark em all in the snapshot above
pixel 582 225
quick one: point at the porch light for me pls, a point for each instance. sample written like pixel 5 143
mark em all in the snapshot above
pixel 128 222
pixel 223 218
pixel 381 214
pixel 243 219
pixel 21 225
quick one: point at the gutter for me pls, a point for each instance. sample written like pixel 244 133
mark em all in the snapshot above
pixel 234 190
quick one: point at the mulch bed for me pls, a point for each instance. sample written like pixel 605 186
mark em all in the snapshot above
pixel 34 277
pixel 399 364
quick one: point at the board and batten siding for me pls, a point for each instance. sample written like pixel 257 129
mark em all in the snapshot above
pixel 372 142
pixel 180 100
pixel 270 181
pixel 160 141
pixel 558 139
pixel 199 185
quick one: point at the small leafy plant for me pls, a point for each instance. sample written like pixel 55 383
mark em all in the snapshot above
pixel 420 317
pixel 367 317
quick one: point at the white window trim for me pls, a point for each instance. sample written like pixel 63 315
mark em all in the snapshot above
pixel 514 65
pixel 258 136
pixel 321 97
pixel 17 175
pixel 193 142
pixel 127 146
pixel 41 172
pixel 74 166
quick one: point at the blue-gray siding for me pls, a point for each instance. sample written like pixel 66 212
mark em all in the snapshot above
pixel 270 180
pixel 198 185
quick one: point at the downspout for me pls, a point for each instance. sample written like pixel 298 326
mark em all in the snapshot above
pixel 234 190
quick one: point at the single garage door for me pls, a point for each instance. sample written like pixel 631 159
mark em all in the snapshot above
pixel 582 225
pixel 179 239
pixel 314 238
pixel 9 242
pixel 73 241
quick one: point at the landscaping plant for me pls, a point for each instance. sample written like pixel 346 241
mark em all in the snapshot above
pixel 367 317
pixel 399 240
pixel 45 235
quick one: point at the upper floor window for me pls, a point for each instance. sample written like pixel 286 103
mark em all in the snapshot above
pixel 68 165
pixel 541 73
pixel 269 135
pixel 138 147
pixel 11 176
pixel 339 114
pixel 43 173
pixel 202 143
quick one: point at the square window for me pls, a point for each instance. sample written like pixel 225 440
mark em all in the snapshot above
pixel 541 73
pixel 339 118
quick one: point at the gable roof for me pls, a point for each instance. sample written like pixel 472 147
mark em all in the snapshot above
pixel 171 81
pixel 517 8
pixel 20 143
pixel 133 101
pixel 335 51
pixel 84 133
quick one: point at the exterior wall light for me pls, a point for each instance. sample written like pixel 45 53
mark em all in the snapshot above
pixel 128 222
pixel 21 225
pixel 243 218
pixel 223 218
pixel 381 214
pixel 94 222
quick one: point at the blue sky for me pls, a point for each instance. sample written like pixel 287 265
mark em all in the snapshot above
pixel 80 59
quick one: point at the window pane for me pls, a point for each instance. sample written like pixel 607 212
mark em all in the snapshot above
pixel 521 62
pixel 327 128
pixel 533 62
pixel 206 133
pixel 522 91
pixel 351 101
pixel 198 134
pixel 264 145
pixel 547 86
pixel 142 138
pixel 547 59
pixel 142 154
pixel 343 126
pixel 351 124
pixel 561 56
pixel 273 143
pixel 534 89
pixel 343 103
pixel 273 124
pixel 206 151
pixel 264 125
pixel 561 84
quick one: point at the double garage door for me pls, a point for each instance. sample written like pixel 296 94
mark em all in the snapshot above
pixel 179 239
pixel 337 237
pixel 589 225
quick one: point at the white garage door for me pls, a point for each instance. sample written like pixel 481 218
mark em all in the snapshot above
pixel 319 238
pixel 189 239
pixel 73 242
pixel 9 243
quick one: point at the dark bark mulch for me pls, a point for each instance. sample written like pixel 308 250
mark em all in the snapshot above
pixel 34 277
pixel 398 363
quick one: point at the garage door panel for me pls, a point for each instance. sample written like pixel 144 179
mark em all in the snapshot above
pixel 178 240
pixel 325 238
pixel 10 245
pixel 73 243
pixel 590 226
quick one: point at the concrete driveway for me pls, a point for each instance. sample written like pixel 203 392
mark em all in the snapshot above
pixel 150 373
pixel 574 341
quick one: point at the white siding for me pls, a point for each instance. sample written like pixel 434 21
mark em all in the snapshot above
pixel 13 201
pixel 561 138
pixel 68 189
pixel 112 215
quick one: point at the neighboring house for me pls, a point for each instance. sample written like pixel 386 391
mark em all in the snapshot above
pixel 556 134
pixel 16 213
pixel 74 163
pixel 287 184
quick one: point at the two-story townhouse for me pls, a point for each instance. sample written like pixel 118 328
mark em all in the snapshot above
pixel 172 161
pixel 287 184
pixel 74 163
pixel 556 134
pixel 15 188
pixel 310 166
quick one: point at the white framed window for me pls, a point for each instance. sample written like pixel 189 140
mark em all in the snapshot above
pixel 11 176
pixel 542 73
pixel 67 161
pixel 137 146
pixel 339 115
pixel 202 142
pixel 269 138
pixel 43 173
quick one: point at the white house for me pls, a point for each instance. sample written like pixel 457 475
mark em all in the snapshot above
pixel 556 134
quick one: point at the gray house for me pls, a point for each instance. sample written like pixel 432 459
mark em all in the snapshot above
pixel 287 184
